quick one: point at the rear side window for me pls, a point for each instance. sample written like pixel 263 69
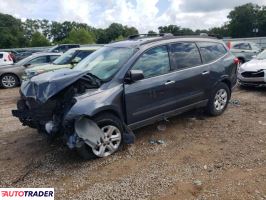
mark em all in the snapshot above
pixel 244 46
pixel 153 62
pixel 211 51
pixel 1 55
pixel 38 60
pixel 185 55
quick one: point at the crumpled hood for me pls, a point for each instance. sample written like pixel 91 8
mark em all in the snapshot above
pixel 254 65
pixel 46 85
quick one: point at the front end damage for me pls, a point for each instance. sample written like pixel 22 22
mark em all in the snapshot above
pixel 46 101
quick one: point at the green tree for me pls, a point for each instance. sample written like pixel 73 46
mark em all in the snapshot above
pixel 11 32
pixel 79 36
pixel 130 31
pixel 39 40
pixel 243 20
pixel 151 32
pixel 175 30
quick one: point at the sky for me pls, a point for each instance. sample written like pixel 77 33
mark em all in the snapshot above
pixel 145 15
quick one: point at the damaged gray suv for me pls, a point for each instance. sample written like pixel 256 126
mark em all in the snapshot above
pixel 126 85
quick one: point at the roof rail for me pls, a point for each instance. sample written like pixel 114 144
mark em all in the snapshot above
pixel 131 37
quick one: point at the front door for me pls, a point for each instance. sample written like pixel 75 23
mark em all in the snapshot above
pixel 154 94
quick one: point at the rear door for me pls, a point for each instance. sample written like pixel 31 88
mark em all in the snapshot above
pixel 214 61
pixel 190 76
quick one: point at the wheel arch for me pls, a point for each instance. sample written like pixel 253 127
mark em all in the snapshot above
pixel 241 58
pixel 107 110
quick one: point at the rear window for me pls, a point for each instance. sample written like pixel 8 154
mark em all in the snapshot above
pixel 244 46
pixel 1 55
pixel 185 55
pixel 211 51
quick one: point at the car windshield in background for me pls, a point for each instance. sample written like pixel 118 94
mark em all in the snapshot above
pixel 105 62
pixel 262 55
pixel 65 58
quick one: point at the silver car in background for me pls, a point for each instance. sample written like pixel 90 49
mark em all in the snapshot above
pixel 253 73
pixel 244 50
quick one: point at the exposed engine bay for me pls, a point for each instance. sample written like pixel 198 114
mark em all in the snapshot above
pixel 44 104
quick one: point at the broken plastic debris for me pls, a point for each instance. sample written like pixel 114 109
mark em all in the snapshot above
pixel 234 102
pixel 262 123
pixel 160 142
pixel 161 127
pixel 197 182
pixel 156 141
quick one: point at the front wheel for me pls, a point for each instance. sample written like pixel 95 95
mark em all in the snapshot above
pixel 219 99
pixel 112 129
pixel 8 81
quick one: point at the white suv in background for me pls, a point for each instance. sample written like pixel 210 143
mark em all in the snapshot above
pixel 244 50
pixel 5 58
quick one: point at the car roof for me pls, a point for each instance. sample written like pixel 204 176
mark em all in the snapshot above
pixel 87 48
pixel 46 54
pixel 137 42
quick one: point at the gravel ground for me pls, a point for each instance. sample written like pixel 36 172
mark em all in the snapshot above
pixel 201 158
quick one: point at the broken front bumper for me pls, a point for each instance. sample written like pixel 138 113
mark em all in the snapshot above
pixel 252 78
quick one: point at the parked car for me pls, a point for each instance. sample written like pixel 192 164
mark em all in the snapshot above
pixel 244 50
pixel 11 75
pixel 5 58
pixel 68 60
pixel 63 47
pixel 23 55
pixel 127 85
pixel 253 73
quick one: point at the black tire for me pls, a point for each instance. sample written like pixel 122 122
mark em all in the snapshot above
pixel 211 108
pixel 101 120
pixel 11 77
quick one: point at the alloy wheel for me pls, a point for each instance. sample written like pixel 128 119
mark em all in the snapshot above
pixel 8 81
pixel 111 141
pixel 220 99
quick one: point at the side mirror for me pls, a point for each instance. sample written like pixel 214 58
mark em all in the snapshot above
pixel 75 61
pixel 134 75
pixel 56 51
pixel 27 65
pixel 254 56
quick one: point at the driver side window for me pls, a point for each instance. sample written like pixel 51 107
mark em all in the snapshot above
pixel 153 62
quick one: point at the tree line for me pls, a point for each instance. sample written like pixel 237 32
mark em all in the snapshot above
pixel 248 20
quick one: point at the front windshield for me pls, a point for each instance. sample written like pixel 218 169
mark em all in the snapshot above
pixel 105 62
pixel 262 55
pixel 65 58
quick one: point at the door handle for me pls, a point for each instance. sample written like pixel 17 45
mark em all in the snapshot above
pixel 205 72
pixel 169 82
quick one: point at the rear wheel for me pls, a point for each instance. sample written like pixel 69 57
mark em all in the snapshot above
pixel 8 81
pixel 219 99
pixel 112 129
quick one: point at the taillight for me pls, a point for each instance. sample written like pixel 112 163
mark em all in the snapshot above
pixel 229 44
pixel 236 61
pixel 9 57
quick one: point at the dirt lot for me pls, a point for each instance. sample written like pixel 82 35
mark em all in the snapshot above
pixel 202 158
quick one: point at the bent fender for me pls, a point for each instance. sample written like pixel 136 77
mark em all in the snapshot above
pixel 89 131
